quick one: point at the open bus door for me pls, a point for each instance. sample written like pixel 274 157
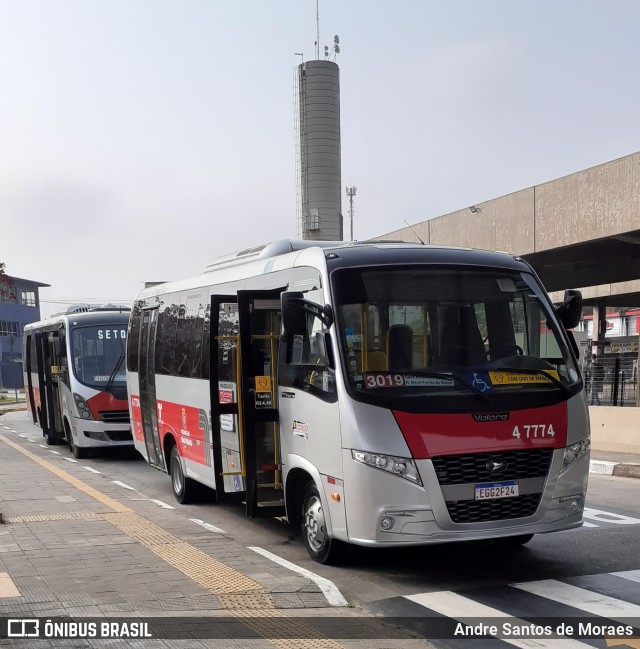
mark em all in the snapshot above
pixel 30 346
pixel 147 379
pixel 246 442
pixel 48 415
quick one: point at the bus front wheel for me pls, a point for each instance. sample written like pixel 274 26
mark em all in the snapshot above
pixel 78 452
pixel 320 546
pixel 183 488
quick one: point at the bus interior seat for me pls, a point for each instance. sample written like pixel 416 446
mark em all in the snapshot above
pixel 461 341
pixel 400 347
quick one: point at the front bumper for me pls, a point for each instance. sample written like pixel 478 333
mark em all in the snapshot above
pixel 420 516
pixel 98 434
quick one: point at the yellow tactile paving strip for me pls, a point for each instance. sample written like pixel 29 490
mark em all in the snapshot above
pixel 240 595
pixel 7 587
pixel 206 571
pixel 67 477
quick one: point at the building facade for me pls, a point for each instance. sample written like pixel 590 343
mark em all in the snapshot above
pixel 19 305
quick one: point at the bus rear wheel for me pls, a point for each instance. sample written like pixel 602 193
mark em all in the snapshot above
pixel 320 546
pixel 184 489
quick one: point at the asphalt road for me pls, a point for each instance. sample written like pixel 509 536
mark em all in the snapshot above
pixel 380 580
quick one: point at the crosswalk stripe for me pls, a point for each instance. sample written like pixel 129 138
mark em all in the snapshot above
pixel 608 517
pixel 633 575
pixel 580 598
pixel 462 608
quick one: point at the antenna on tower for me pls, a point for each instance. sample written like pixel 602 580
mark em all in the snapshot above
pixel 317 30
pixel 334 50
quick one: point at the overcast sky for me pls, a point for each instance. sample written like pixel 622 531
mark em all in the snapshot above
pixel 140 139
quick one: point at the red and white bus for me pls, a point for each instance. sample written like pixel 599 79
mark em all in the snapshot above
pixel 74 377
pixel 379 394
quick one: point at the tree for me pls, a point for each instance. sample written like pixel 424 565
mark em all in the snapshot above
pixel 2 268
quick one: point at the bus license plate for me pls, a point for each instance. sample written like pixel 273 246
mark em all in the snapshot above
pixel 492 490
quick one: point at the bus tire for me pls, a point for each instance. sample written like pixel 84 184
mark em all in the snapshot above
pixel 78 452
pixel 320 546
pixel 184 489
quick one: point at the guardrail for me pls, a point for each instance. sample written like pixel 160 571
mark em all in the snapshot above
pixel 615 384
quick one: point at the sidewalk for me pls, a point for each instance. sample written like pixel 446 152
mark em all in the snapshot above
pixel 623 465
pixel 74 544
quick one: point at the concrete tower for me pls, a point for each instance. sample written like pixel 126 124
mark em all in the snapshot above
pixel 319 184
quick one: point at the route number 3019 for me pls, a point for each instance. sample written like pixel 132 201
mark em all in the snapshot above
pixel 533 431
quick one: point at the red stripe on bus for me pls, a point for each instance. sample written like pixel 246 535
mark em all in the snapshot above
pixel 104 401
pixel 429 435
pixel 182 422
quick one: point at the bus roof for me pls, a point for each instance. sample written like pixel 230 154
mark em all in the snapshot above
pixel 279 255
pixel 80 319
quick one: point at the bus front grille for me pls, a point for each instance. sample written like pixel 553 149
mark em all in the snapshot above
pixel 476 467
pixel 115 416
pixel 478 511
pixel 485 468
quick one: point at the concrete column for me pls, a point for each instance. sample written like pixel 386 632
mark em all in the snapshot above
pixel 638 379
pixel 599 328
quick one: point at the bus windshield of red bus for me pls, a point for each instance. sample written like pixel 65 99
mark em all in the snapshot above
pixel 433 331
pixel 97 355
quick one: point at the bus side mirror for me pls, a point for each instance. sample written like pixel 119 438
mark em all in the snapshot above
pixel 569 311
pixel 295 309
pixel 294 321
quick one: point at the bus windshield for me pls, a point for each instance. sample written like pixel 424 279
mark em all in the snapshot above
pixel 420 331
pixel 97 353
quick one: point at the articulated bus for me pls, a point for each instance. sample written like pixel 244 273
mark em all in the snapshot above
pixel 74 377
pixel 377 394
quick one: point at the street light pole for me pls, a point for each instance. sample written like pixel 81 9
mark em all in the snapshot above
pixel 351 192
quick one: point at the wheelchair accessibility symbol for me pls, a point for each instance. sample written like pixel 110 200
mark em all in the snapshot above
pixel 479 383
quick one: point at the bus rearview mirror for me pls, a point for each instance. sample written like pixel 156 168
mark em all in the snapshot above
pixel 569 311
pixel 295 309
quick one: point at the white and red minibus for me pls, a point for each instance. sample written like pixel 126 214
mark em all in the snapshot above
pixel 74 377
pixel 378 394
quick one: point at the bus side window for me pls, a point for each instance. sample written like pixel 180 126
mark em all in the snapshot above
pixel 303 364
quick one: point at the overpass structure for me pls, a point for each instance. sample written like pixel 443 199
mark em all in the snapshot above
pixel 581 231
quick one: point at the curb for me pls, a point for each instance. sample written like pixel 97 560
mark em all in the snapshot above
pixel 19 408
pixel 618 469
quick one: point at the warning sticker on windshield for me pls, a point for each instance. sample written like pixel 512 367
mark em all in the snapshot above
pixel 506 285
pixel 512 378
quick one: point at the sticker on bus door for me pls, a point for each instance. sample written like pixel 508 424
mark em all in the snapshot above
pixel 263 394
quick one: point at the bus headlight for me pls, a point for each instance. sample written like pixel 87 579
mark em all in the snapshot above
pixel 575 451
pixel 401 466
pixel 81 405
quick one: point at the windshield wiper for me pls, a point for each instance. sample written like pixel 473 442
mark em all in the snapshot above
pixel 546 373
pixel 112 377
pixel 455 377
